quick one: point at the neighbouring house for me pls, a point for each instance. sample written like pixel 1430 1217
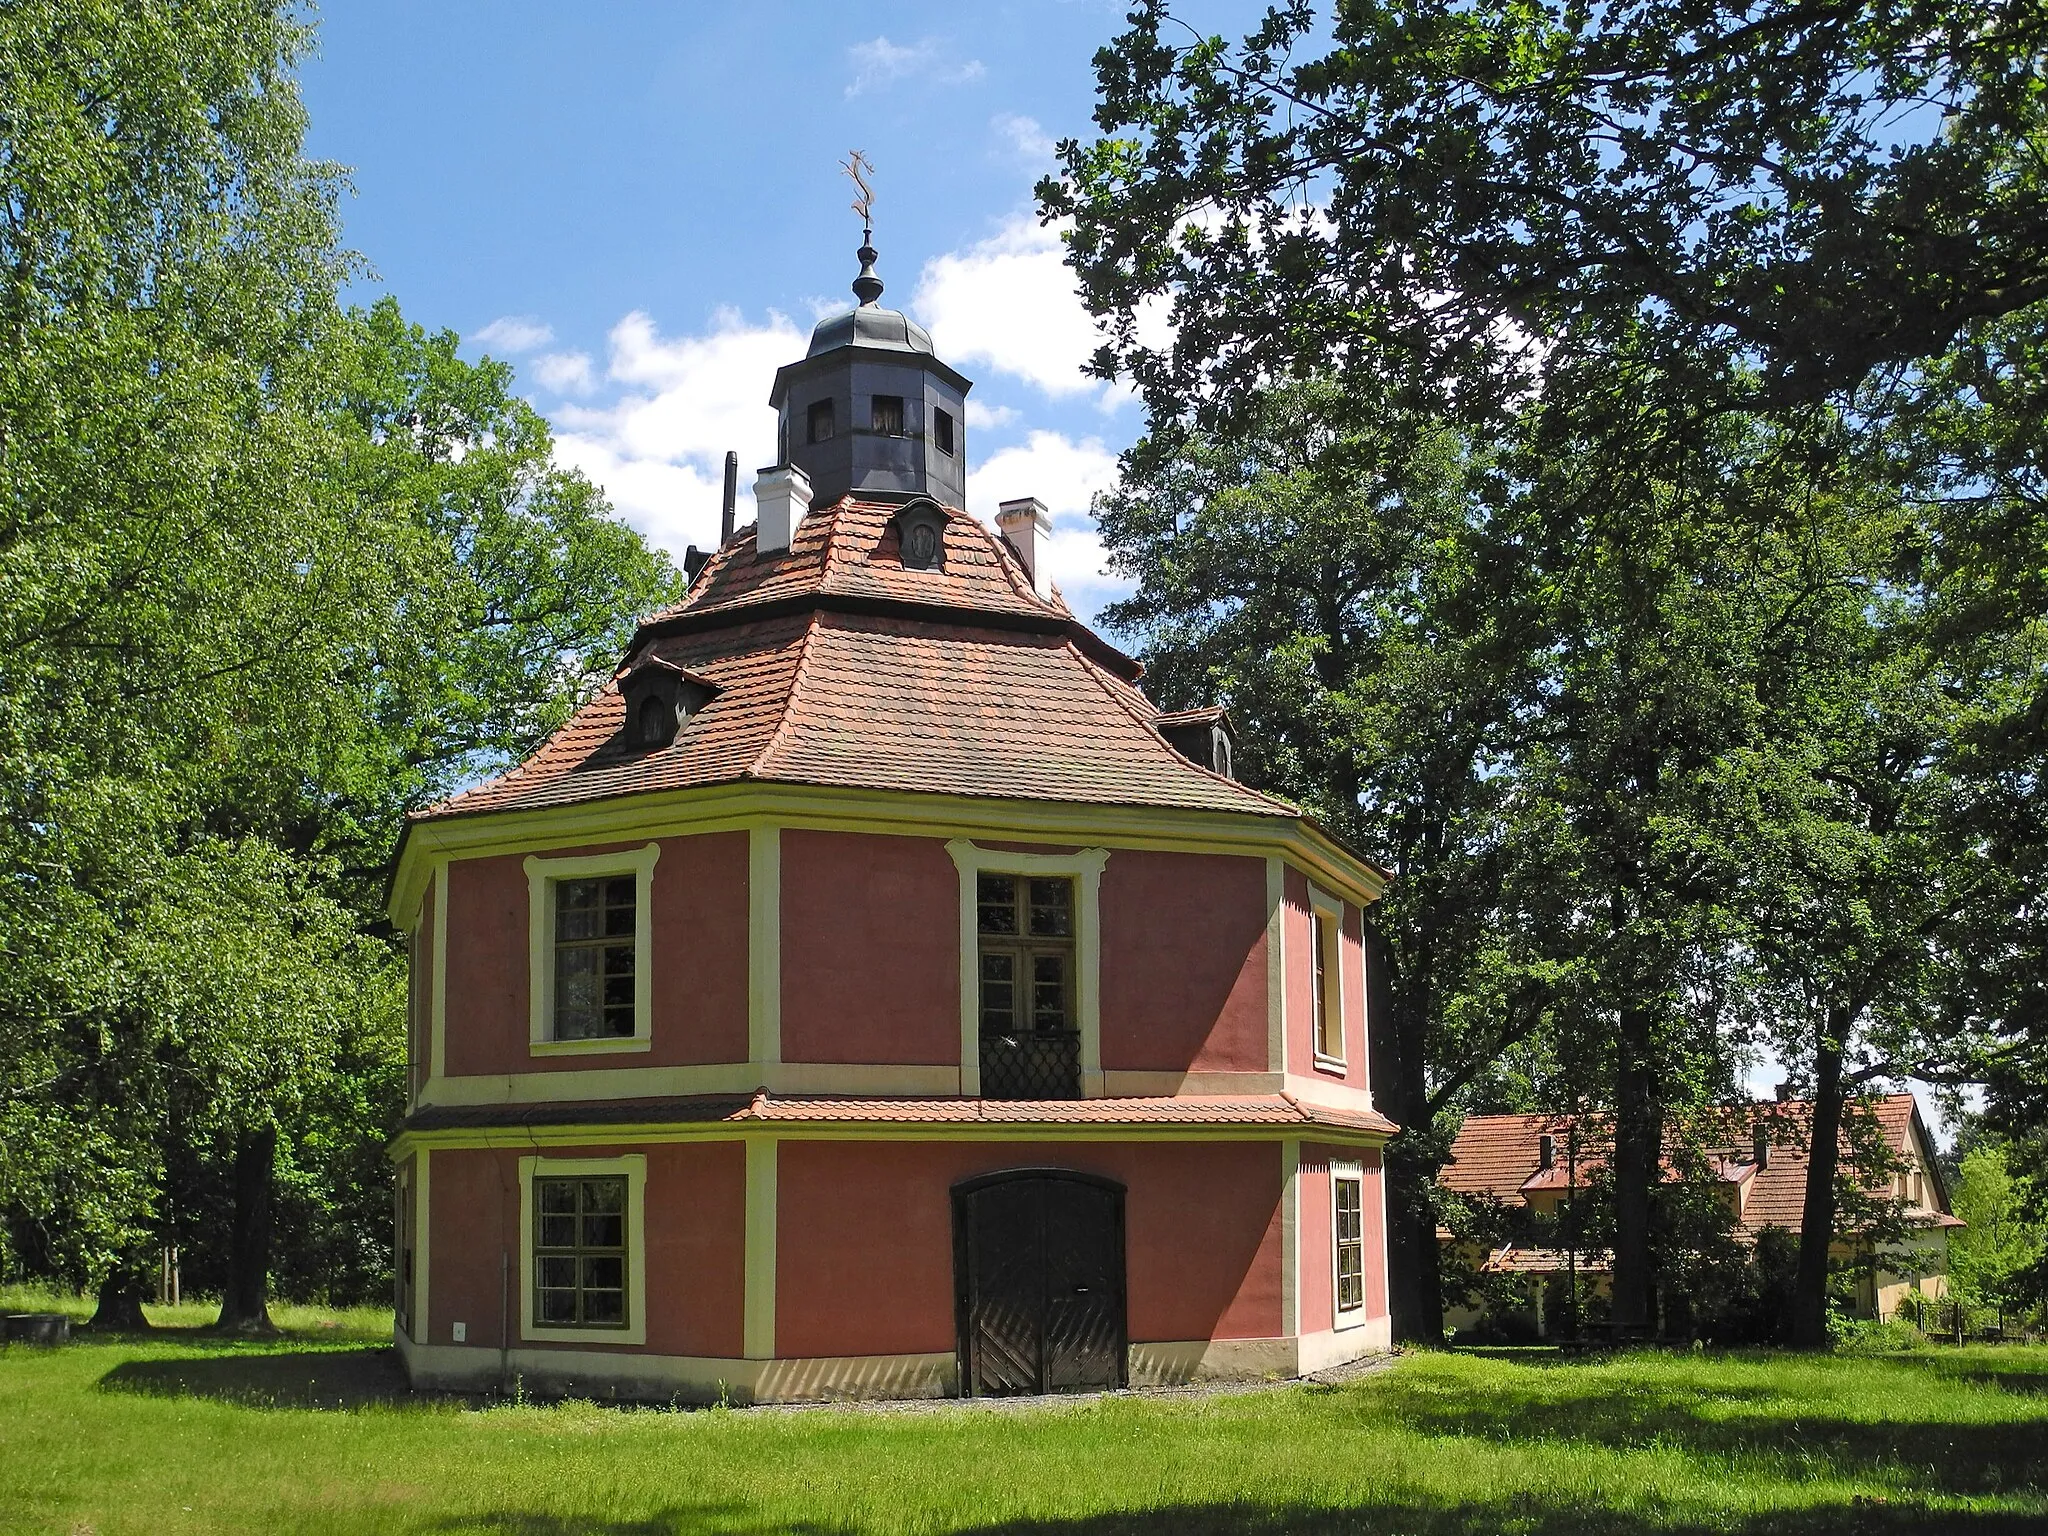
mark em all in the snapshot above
pixel 872 992
pixel 1538 1163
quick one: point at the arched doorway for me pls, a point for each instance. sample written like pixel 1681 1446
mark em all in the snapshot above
pixel 1038 1275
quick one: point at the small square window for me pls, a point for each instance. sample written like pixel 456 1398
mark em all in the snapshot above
pixel 819 423
pixel 942 430
pixel 888 415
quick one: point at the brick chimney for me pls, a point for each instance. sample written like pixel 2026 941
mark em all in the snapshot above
pixel 1027 525
pixel 782 495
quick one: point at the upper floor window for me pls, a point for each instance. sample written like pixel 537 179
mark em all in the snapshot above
pixel 1030 1042
pixel 942 430
pixel 594 959
pixel 1347 1236
pixel 819 425
pixel 1326 1000
pixel 888 415
pixel 590 950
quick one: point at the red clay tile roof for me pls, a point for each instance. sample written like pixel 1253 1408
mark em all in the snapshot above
pixel 1280 1110
pixel 1497 1155
pixel 834 666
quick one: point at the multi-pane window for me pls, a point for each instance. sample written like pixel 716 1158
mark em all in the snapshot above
pixel 1029 1039
pixel 579 1252
pixel 1327 999
pixel 819 425
pixel 1348 1233
pixel 942 430
pixel 888 415
pixel 594 933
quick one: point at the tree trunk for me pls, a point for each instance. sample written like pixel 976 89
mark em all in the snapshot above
pixel 121 1296
pixel 1401 1093
pixel 1638 1168
pixel 245 1306
pixel 1809 1322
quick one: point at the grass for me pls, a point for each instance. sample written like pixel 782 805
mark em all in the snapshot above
pixel 314 1433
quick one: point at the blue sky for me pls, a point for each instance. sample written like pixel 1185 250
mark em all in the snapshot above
pixel 640 206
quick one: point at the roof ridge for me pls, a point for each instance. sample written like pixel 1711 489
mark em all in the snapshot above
pixel 759 767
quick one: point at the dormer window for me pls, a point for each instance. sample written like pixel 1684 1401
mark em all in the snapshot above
pixel 1203 736
pixel 921 536
pixel 657 724
pixel 660 698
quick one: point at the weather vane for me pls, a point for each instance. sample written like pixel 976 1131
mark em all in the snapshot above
pixel 858 169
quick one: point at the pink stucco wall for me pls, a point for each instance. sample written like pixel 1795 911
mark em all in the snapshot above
pixel 698 917
pixel 870 949
pixel 696 1245
pixel 865 1244
pixel 1183 962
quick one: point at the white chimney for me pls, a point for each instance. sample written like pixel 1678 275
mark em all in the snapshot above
pixel 782 495
pixel 1027 525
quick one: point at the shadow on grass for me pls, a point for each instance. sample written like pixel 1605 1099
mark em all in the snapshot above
pixel 1758 1424
pixel 1526 1515
pixel 312 1378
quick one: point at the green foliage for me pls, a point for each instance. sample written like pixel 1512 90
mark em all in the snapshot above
pixel 1995 1262
pixel 271 574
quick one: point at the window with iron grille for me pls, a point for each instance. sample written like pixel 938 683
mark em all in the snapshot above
pixel 1030 1042
pixel 579 1252
pixel 594 933
pixel 1348 1232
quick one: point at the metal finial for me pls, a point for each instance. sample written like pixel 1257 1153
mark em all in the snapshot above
pixel 867 287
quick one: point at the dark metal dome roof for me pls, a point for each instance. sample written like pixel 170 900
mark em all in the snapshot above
pixel 871 326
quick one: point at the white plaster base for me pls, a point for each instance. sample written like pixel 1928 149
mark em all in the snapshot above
pixel 639 1377
pixel 602 1373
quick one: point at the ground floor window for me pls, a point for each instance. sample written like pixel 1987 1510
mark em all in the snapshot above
pixel 1347 1234
pixel 579 1256
pixel 583 1249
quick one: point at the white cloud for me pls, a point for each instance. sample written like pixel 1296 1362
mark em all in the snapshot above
pixel 879 63
pixel 1030 142
pixel 659 449
pixel 1065 475
pixel 566 373
pixel 1009 301
pixel 514 334
pixel 979 415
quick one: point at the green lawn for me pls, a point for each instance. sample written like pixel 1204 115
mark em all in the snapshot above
pixel 314 1433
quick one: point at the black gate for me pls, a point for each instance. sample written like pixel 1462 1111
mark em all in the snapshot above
pixel 1038 1275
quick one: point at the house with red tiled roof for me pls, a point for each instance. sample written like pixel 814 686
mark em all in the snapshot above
pixel 1539 1163
pixel 872 991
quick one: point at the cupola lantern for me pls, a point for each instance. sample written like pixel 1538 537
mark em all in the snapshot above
pixel 871 408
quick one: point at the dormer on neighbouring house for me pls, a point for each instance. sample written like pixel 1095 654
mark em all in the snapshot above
pixel 872 991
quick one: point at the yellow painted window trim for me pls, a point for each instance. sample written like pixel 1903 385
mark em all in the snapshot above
pixel 634 1166
pixel 1325 908
pixel 1085 869
pixel 542 875
pixel 1350 1171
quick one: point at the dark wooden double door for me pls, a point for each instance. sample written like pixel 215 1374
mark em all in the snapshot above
pixel 1038 1265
